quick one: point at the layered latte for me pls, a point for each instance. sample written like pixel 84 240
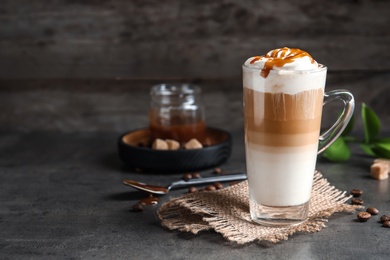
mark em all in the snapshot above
pixel 283 99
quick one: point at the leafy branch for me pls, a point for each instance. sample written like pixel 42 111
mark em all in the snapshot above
pixel 371 145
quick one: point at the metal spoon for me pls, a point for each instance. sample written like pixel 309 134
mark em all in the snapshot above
pixel 182 183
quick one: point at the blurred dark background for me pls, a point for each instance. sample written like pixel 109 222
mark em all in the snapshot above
pixel 195 39
pixel 73 65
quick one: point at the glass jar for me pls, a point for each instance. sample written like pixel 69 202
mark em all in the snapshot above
pixel 177 112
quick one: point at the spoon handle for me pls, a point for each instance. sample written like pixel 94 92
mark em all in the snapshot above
pixel 205 180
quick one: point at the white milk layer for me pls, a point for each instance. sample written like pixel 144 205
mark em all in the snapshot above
pixel 280 176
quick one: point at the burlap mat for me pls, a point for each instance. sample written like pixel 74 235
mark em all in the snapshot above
pixel 227 212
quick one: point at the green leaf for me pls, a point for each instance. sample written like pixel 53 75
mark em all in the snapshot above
pixel 367 149
pixel 349 127
pixel 382 140
pixel 338 151
pixel 371 123
pixel 381 149
pixel 349 139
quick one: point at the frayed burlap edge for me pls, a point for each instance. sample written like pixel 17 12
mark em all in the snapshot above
pixel 227 212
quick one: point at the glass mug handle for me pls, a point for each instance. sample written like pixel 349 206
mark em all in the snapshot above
pixel 335 131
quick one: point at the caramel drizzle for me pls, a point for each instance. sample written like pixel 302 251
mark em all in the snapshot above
pixel 280 57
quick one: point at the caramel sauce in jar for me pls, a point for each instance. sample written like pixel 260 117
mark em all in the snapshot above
pixel 177 113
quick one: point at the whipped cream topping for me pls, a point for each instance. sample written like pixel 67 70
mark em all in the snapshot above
pixel 284 70
pixel 282 59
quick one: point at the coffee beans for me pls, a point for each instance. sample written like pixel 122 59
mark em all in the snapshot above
pixel 192 189
pixel 373 211
pixel 385 218
pixel 356 192
pixel 218 185
pixel 196 175
pixel 188 176
pixel 363 216
pixel 138 207
pixel 355 201
pixel 386 224
pixel 217 170
pixel 150 200
pixel 210 188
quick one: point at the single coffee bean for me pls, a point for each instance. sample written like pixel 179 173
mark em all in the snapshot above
pixel 385 218
pixel 373 211
pixel 196 175
pixel 386 224
pixel 356 192
pixel 217 170
pixel 187 176
pixel 363 216
pixel 233 183
pixel 355 201
pixel 192 189
pixel 210 188
pixel 138 207
pixel 218 185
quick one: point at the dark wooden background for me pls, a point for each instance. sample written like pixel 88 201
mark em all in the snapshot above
pixel 194 38
pixel 72 65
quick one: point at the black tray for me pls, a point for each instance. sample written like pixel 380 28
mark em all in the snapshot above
pixel 133 152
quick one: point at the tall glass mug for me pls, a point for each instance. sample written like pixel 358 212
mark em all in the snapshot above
pixel 282 139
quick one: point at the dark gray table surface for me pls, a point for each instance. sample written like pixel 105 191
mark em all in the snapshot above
pixel 61 197
pixel 61 191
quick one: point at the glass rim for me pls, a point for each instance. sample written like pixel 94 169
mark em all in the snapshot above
pixel 320 68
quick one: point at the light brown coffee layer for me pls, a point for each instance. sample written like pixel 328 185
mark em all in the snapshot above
pixel 281 119
pixel 282 140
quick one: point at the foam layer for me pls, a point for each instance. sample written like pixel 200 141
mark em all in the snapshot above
pixel 283 82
